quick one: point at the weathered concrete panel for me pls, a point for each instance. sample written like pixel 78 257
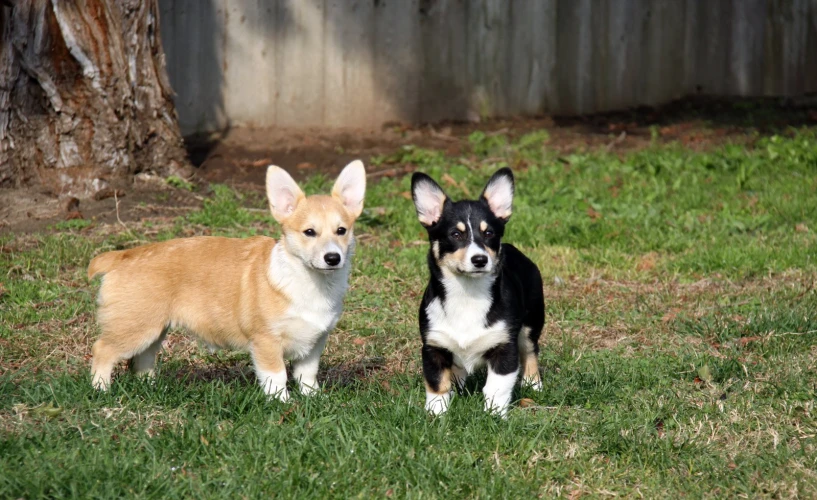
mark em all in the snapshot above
pixel 365 62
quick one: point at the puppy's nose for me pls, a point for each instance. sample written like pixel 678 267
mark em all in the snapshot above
pixel 332 258
pixel 479 260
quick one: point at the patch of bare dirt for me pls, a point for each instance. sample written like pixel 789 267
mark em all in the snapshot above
pixel 239 157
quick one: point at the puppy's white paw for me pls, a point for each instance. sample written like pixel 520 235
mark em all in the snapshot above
pixel 274 384
pixel 535 384
pixel 437 404
pixel 279 393
pixel 101 383
pixel 499 410
pixel 310 388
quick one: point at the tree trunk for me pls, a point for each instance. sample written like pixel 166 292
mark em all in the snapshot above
pixel 84 96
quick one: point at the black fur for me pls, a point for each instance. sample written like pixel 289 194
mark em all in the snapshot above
pixel 516 293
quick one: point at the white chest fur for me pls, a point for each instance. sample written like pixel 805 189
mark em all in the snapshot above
pixel 316 301
pixel 458 324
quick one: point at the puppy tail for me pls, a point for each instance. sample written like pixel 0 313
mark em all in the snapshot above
pixel 103 263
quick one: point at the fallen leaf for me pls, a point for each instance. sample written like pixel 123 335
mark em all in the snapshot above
pixel 261 163
pixel 449 180
pixel 286 413
pixel 670 315
pixel 732 466
pixel 305 166
pixel 659 427
pixel 204 440
pixel 593 214
pixel 801 228
pixel 705 373
pixel 646 263
pixel 575 494
pixel 48 410
pixel 406 195
pixel 745 340
pixel 526 402
pixel 359 341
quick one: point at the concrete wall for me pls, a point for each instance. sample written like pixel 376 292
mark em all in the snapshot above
pixel 365 62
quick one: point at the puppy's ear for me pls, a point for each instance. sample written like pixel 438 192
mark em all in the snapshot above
pixel 429 199
pixel 350 187
pixel 282 192
pixel 498 193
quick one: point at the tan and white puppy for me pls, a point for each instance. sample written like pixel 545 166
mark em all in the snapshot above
pixel 278 300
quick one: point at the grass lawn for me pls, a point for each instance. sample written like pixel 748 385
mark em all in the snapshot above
pixel 679 352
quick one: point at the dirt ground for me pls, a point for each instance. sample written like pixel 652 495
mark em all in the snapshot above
pixel 238 157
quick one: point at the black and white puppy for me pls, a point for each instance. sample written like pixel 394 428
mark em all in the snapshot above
pixel 484 303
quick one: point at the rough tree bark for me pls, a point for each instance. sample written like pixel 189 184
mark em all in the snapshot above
pixel 84 95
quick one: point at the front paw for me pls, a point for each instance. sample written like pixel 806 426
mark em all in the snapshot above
pixel 533 383
pixel 276 390
pixel 500 410
pixel 279 393
pixel 437 404
pixel 310 388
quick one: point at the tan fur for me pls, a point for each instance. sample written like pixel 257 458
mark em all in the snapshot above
pixel 445 383
pixel 528 361
pixel 461 226
pixel 215 287
pixel 454 261
pixel 221 289
pixel 530 368
pixel 483 226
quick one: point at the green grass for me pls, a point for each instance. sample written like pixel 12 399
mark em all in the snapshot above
pixel 679 352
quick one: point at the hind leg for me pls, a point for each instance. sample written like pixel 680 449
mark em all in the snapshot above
pixel 104 359
pixel 144 362
pixel 124 340
pixel 528 359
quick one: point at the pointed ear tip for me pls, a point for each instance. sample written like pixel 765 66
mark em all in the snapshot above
pixel 356 164
pixel 275 170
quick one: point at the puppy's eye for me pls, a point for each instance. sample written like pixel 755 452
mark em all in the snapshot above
pixel 341 231
pixel 311 233
pixel 457 235
pixel 488 233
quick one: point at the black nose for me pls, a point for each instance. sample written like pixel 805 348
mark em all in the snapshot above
pixel 479 260
pixel 333 258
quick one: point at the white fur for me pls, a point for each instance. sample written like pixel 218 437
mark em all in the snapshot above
pixel 459 324
pixel 282 192
pixel 316 297
pixel 498 390
pixel 350 187
pixel 499 193
pixel 305 370
pixel 428 200
pixel 437 404
pixel 472 250
pixel 273 383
